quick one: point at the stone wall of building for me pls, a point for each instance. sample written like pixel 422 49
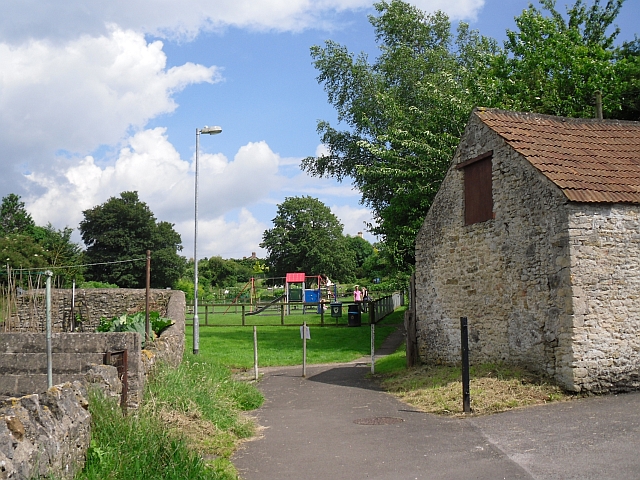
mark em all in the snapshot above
pixel 89 307
pixel 48 434
pixel 509 275
pixel 605 267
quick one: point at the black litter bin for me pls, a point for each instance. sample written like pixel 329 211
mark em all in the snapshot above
pixel 336 310
pixel 355 317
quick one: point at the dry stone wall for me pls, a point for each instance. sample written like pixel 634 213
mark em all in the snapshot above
pixel 23 367
pixel 48 434
pixel 90 305
pixel 23 360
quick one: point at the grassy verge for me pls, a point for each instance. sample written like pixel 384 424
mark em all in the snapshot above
pixel 438 389
pixel 280 346
pixel 188 426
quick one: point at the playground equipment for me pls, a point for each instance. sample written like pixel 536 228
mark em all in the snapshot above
pixel 296 291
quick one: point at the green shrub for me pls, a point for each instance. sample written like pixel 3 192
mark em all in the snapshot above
pixel 135 323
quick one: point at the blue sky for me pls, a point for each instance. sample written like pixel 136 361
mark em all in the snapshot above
pixel 101 97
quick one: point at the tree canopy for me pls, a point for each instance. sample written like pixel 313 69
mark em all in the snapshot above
pixel 404 112
pixel 307 237
pixel 14 218
pixel 124 229
pixel 24 245
pixel 554 65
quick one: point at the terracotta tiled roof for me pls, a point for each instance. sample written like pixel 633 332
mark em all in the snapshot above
pixel 590 160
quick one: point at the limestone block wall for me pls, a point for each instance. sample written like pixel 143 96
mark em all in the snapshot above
pixel 169 346
pixel 90 306
pixel 23 360
pixel 605 267
pixel 49 434
pixel 23 365
pixel 509 275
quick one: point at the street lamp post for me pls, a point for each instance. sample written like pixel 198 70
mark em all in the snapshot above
pixel 196 320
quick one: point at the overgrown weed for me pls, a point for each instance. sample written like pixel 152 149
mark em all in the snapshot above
pixel 189 424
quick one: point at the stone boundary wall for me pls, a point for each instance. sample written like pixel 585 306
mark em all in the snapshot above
pixel 49 434
pixel 90 305
pixel 169 346
pixel 23 360
pixel 23 355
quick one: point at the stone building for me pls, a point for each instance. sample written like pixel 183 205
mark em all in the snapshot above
pixel 534 236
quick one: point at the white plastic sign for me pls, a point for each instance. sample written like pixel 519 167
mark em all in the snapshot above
pixel 305 333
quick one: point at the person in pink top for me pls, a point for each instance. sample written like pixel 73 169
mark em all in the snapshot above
pixel 357 294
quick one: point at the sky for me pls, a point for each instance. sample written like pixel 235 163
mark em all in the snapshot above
pixel 97 98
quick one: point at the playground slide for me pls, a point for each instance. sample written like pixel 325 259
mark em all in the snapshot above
pixel 264 307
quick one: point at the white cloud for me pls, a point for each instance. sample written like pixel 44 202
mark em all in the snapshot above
pixel 20 19
pixel 150 165
pixel 236 238
pixel 354 220
pixel 88 92
pixel 322 150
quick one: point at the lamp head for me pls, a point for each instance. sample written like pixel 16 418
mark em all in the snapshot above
pixel 211 130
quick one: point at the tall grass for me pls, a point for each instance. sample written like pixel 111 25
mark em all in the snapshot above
pixel 189 414
pixel 136 447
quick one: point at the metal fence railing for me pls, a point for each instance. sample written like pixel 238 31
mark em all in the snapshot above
pixel 244 314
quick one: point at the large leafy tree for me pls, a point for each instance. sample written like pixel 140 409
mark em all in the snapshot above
pixel 360 250
pixel 554 64
pixel 24 245
pixel 14 217
pixel 627 58
pixel 307 237
pixel 124 229
pixel 404 114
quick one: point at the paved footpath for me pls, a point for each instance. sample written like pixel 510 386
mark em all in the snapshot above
pixel 336 424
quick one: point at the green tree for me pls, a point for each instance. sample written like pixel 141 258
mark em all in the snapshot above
pixel 627 58
pixel 554 64
pixel 405 113
pixel 61 252
pixel 123 229
pixel 14 218
pixel 360 250
pixel 22 251
pixel 217 272
pixel 307 237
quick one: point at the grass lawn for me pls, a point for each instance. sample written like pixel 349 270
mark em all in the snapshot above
pixel 232 315
pixel 280 346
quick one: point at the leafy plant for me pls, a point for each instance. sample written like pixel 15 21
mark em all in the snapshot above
pixel 135 323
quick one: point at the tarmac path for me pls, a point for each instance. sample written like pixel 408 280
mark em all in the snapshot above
pixel 337 424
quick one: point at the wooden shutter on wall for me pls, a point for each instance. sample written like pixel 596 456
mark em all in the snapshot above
pixel 478 189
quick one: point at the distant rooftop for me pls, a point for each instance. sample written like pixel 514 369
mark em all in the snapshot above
pixel 589 160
